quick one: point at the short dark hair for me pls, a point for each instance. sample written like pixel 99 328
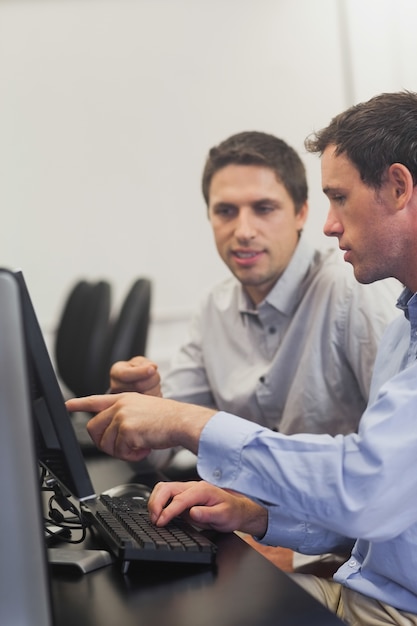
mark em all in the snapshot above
pixel 374 135
pixel 257 148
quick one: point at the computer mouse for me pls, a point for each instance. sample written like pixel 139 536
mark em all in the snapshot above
pixel 130 490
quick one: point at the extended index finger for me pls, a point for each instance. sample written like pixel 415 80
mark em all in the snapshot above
pixel 91 404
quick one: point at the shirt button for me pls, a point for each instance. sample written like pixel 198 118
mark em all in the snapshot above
pixel 272 330
pixel 217 473
pixel 352 563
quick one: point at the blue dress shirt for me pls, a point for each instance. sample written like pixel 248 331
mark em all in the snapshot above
pixel 322 490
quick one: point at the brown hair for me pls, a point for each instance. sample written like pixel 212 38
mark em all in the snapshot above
pixel 257 148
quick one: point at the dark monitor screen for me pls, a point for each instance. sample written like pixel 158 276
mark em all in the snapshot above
pixel 57 446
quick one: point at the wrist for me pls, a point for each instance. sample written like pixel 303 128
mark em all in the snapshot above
pixel 189 423
pixel 256 520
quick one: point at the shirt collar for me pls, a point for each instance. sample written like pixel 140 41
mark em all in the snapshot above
pixel 407 300
pixel 285 294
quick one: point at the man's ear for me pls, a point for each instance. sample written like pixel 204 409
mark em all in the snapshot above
pixel 301 217
pixel 402 183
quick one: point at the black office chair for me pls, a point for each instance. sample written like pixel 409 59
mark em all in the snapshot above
pixel 128 332
pixel 81 336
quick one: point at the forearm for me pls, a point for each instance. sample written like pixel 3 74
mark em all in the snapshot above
pixel 130 425
pixel 301 536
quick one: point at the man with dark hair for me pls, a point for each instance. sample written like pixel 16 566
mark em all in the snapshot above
pixel 289 340
pixel 315 491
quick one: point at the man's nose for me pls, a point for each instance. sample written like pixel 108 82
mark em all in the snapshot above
pixel 332 226
pixel 245 225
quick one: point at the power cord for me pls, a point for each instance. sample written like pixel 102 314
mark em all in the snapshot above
pixel 62 512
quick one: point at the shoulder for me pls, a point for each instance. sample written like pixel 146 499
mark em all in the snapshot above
pixel 330 269
pixel 222 296
pixel 329 277
pixel 328 266
pixel 333 281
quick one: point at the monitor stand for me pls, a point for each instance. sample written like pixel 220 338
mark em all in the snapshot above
pixel 81 561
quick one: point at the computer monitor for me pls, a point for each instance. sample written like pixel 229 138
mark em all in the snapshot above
pixel 24 589
pixel 57 447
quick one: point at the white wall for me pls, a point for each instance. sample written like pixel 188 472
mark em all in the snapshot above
pixel 382 46
pixel 108 108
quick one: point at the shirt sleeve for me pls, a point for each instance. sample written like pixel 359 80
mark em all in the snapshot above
pixel 187 380
pixel 350 485
pixel 301 536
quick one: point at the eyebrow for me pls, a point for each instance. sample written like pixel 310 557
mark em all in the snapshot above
pixel 266 201
pixel 222 204
pixel 256 202
pixel 329 190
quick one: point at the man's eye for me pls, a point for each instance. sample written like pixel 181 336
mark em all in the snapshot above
pixel 224 211
pixel 264 208
pixel 339 199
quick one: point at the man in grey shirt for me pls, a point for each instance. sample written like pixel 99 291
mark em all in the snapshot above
pixel 289 340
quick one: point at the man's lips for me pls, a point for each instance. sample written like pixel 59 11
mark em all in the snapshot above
pixel 246 257
pixel 347 253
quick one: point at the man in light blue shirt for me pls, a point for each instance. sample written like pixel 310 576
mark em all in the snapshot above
pixel 316 492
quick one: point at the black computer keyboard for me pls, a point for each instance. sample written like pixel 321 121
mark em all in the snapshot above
pixel 126 528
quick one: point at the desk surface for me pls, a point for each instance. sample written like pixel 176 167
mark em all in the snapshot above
pixel 243 589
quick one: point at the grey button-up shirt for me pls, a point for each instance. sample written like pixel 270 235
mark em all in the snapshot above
pixel 299 362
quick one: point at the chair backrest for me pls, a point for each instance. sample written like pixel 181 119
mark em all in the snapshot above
pixel 81 336
pixel 128 332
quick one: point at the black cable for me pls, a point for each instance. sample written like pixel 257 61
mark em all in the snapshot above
pixel 57 516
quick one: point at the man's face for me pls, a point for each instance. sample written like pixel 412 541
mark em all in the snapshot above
pixel 362 218
pixel 254 224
